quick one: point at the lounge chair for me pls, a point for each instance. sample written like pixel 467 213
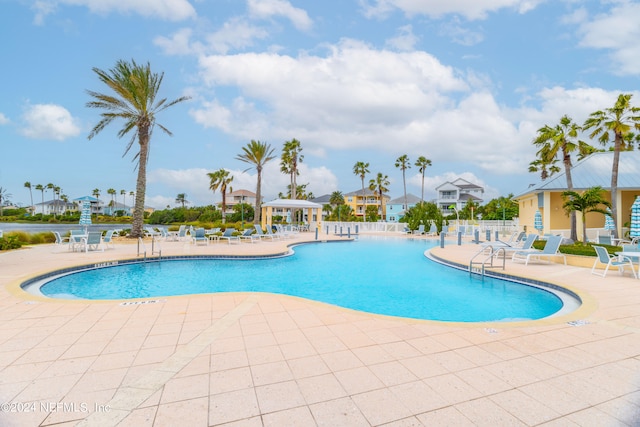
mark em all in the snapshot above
pixel 525 245
pixel 605 240
pixel 261 233
pixel 406 230
pixel 108 238
pixel 199 236
pixel 228 235
pixel 433 230
pixel 619 261
pixel 285 233
pixel 60 241
pixel 550 250
pixel 420 230
pixel 93 241
pixel 274 235
pixel 77 239
pixel 151 232
pixel 248 235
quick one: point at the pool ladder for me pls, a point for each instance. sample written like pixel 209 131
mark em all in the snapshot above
pixel 153 248
pixel 479 267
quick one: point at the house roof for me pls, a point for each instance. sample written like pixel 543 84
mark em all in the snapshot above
pixel 245 193
pixel 367 192
pixel 288 203
pixel 323 200
pixel 461 183
pixel 467 196
pixel 592 171
pixel 86 198
pixel 411 199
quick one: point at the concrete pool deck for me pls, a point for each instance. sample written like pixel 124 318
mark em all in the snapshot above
pixel 273 360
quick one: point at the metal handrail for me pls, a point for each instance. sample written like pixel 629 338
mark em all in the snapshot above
pixel 493 253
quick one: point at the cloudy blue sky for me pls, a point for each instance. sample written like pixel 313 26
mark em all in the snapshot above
pixel 464 83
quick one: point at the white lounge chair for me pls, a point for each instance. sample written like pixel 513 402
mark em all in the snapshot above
pixel 228 235
pixel 108 238
pixel 199 236
pixel 93 241
pixel 603 257
pixel 261 233
pixel 550 250
pixel 248 235
pixel 420 230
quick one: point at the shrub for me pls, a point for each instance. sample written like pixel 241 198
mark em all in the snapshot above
pixel 9 242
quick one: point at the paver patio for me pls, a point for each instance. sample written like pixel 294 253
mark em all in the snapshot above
pixel 271 360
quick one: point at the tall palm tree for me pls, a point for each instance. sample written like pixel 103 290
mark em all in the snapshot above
pixel 337 199
pixel 258 154
pixel 619 120
pixel 361 169
pixel 422 164
pixel 133 195
pixel 96 193
pixel 560 140
pixel 220 179
pixel 123 193
pixel 135 88
pixel 41 188
pixel 56 196
pixel 380 184
pixel 289 163
pixel 4 198
pixel 403 164
pixel 50 186
pixel 182 199
pixel 112 193
pixel 589 201
pixel 28 185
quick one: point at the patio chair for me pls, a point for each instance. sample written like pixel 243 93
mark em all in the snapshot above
pixel 229 237
pixel 182 233
pixel 619 261
pixel 420 230
pixel 285 233
pixel 605 240
pixel 108 239
pixel 93 241
pixel 261 233
pixel 550 250
pixel 433 230
pixel 60 241
pixel 274 235
pixel 77 239
pixel 198 236
pixel 248 235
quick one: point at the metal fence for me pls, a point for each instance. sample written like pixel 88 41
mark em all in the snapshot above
pixel 468 227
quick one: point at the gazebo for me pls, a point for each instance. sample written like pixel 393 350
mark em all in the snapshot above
pixel 312 211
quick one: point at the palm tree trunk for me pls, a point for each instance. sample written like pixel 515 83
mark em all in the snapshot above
pixel 422 197
pixel 258 212
pixel 141 183
pixel 364 205
pixel 614 183
pixel 572 216
pixel 224 206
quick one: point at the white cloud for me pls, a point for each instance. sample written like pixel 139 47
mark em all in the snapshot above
pixel 3 119
pixel 267 8
pixel 459 34
pixel 49 121
pixel 404 41
pixel 170 10
pixel 471 10
pixel 616 32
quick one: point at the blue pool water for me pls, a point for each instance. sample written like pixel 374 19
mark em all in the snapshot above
pixel 390 277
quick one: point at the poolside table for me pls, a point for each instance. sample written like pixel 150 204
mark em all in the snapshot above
pixel 635 255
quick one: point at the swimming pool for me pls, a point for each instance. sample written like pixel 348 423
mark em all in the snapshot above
pixel 389 277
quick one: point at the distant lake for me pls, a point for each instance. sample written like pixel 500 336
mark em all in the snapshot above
pixel 39 227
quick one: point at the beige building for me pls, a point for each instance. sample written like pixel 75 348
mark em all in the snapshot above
pixel 592 171
pixel 358 203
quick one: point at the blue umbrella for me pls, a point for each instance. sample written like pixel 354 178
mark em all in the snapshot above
pixel 608 221
pixel 634 230
pixel 85 213
pixel 537 221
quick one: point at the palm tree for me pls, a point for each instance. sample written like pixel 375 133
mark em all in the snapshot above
pixel 289 163
pixel 545 167
pixel 123 193
pixel 28 185
pixel 361 169
pixel 56 193
pixel 133 195
pixel 619 121
pixel 422 164
pixel 182 199
pixel 588 201
pixel 380 184
pixel 135 89
pixel 50 186
pixel 560 139
pixel 96 193
pixel 4 198
pixel 258 154
pixel 336 199
pixel 112 193
pixel 220 179
pixel 41 188
pixel 403 164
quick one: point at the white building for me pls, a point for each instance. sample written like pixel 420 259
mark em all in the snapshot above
pixel 457 193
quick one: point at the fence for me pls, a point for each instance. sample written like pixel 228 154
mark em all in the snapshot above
pixel 469 227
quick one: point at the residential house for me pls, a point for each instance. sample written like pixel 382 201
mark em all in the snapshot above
pixel 96 204
pixel 457 194
pixel 396 208
pixel 237 197
pixel 359 203
pixel 595 170
pixel 54 207
pixel 323 200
